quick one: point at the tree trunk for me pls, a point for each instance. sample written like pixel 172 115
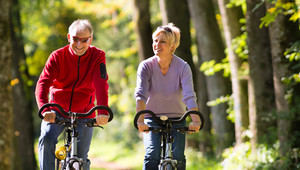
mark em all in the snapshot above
pixel 205 137
pixel 143 28
pixel 6 112
pixel 232 29
pixel 261 89
pixel 24 133
pixel 212 48
pixel 177 12
pixel 282 34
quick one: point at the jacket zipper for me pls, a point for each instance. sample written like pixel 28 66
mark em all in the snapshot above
pixel 74 84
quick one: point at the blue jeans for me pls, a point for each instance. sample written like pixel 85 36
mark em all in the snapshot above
pixel 152 146
pixel 48 140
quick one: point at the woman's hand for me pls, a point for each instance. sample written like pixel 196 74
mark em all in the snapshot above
pixel 142 127
pixel 194 127
pixel 102 119
pixel 141 105
pixel 196 124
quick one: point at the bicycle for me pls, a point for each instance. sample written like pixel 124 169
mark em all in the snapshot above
pixel 167 162
pixel 66 156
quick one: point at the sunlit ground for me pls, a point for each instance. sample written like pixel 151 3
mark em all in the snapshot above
pixel 113 156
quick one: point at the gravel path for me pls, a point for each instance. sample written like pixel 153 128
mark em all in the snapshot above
pixel 99 163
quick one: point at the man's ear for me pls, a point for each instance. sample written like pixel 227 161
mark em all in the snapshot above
pixel 91 39
pixel 69 37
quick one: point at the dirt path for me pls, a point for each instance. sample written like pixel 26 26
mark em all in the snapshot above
pixel 99 163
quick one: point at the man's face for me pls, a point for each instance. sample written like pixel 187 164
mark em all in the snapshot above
pixel 80 41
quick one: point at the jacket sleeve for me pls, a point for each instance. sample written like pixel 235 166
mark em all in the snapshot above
pixel 100 78
pixel 45 81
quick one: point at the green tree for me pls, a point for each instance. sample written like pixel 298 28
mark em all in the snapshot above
pixel 143 28
pixel 24 157
pixel 211 47
pixel 232 29
pixel 261 88
pixel 283 32
pixel 6 112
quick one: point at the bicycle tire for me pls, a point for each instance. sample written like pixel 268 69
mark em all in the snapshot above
pixel 167 166
pixel 61 166
pixel 74 165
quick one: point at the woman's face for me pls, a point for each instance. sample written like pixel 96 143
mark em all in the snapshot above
pixel 80 41
pixel 161 46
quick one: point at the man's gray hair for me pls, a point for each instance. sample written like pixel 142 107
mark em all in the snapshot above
pixel 81 25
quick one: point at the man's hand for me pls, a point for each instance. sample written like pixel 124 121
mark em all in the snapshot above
pixel 49 116
pixel 102 119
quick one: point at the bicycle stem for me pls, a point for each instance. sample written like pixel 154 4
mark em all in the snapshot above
pixel 74 136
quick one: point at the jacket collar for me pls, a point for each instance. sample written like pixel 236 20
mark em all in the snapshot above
pixel 83 56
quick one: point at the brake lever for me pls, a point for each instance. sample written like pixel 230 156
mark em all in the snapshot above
pixel 92 124
pixel 155 130
pixel 58 122
pixel 184 129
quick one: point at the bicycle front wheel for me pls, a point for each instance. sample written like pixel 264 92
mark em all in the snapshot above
pixel 74 166
pixel 167 166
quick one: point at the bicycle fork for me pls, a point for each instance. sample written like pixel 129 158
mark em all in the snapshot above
pixel 167 162
pixel 74 162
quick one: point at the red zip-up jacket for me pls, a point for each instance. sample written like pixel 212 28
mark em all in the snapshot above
pixel 66 73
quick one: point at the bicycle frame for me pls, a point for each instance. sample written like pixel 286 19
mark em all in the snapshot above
pixel 166 152
pixel 71 160
pixel 167 162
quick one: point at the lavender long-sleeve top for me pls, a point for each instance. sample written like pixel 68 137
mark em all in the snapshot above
pixel 165 94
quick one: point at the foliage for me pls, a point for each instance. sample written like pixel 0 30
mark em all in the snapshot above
pixel 279 7
pixel 225 99
pixel 264 157
pixel 211 67
pixel 241 3
pixel 46 25
pixel 239 45
pixel 293 55
pixel 196 160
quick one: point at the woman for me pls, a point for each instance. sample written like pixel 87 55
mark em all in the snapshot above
pixel 165 86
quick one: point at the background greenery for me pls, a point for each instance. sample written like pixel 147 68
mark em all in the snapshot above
pixel 44 29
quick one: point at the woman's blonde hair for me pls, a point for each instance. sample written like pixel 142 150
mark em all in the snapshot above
pixel 171 33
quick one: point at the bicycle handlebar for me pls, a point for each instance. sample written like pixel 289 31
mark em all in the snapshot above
pixel 176 121
pixel 68 114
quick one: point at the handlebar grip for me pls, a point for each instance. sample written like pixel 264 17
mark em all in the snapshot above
pixel 55 105
pixel 110 113
pixel 189 113
pixel 155 118
pixel 51 105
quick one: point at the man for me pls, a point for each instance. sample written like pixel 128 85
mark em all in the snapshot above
pixel 73 77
